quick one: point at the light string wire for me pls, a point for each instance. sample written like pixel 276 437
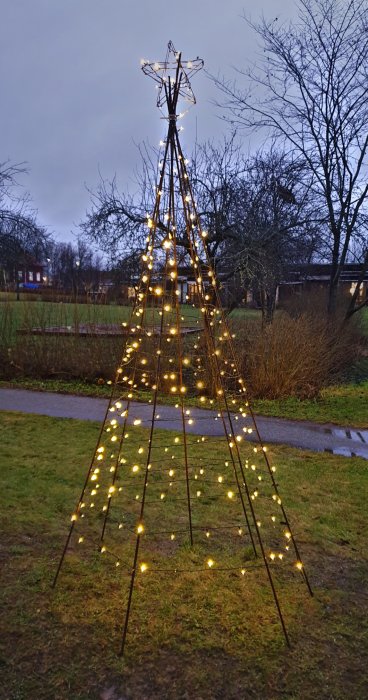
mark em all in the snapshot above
pixel 76 512
pixel 255 523
pixel 172 219
pixel 141 517
pixel 207 330
pixel 234 359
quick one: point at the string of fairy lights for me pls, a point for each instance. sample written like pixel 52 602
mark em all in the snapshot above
pixel 155 476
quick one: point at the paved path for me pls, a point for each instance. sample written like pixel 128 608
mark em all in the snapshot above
pixel 303 434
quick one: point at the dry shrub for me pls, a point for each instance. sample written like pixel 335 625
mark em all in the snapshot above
pixel 294 356
pixel 85 357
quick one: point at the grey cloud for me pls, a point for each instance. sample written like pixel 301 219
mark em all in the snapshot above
pixel 73 96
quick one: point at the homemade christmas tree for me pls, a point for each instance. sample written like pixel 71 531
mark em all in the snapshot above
pixel 158 491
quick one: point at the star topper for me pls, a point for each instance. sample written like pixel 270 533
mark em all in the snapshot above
pixel 173 78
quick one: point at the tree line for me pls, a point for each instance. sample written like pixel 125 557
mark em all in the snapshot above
pixel 70 267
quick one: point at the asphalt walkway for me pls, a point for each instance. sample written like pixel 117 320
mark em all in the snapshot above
pixel 303 434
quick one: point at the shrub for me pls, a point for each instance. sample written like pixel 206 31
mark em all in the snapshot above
pixel 45 356
pixel 295 356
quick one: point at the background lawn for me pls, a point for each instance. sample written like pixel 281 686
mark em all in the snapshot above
pixel 28 314
pixel 189 637
pixel 344 404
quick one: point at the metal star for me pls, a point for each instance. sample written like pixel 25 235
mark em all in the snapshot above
pixel 173 74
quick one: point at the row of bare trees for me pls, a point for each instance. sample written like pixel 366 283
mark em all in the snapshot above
pixel 22 239
pixel 70 267
pixel 74 267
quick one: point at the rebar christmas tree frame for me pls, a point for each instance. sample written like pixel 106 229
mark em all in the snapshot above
pixel 184 351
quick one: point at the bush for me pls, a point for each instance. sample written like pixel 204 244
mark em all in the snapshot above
pixel 295 356
pixel 42 356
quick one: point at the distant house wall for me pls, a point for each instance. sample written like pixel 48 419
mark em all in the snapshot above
pixel 183 289
pixel 313 281
pixel 29 274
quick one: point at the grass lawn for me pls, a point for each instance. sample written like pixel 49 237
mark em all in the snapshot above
pixel 63 312
pixel 205 637
pixel 346 404
pixel 28 314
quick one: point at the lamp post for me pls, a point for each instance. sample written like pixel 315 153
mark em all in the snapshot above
pixel 77 264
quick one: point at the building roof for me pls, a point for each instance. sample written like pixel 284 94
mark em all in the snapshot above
pixel 321 272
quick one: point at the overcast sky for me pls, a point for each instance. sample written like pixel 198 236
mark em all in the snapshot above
pixel 73 97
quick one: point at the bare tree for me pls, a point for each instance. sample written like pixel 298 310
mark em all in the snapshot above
pixel 257 213
pixel 117 221
pixel 22 239
pixel 311 92
pixel 216 172
pixel 276 226
pixel 75 267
